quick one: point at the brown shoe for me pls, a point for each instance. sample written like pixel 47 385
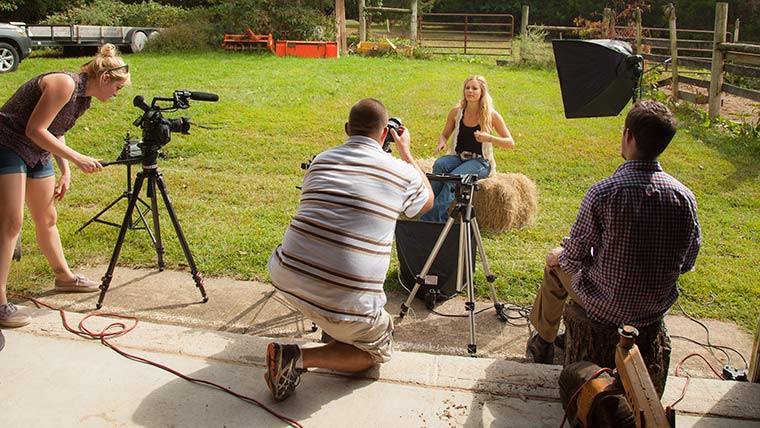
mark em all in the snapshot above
pixel 541 350
pixel 12 317
pixel 80 284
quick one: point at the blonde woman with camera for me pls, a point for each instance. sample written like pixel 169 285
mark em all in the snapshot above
pixel 33 123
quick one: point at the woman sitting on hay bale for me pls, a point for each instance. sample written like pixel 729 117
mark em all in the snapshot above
pixel 471 122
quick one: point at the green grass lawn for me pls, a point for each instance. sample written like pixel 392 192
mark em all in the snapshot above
pixel 234 187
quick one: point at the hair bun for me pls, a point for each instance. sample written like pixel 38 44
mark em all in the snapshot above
pixel 108 50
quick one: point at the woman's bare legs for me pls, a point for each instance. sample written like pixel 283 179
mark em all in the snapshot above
pixel 41 204
pixel 11 219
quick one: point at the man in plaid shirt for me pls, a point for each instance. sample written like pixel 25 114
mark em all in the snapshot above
pixel 636 232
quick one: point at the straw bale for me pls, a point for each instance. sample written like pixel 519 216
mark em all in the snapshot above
pixel 504 201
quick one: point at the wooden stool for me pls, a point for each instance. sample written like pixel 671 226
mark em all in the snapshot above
pixel 587 340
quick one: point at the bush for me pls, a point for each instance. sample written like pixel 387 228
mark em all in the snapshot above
pixel 282 19
pixel 534 50
pixel 184 37
pixel 114 12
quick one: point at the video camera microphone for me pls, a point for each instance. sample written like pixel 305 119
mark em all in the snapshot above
pixel 140 103
pixel 200 96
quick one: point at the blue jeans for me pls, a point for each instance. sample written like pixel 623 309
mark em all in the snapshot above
pixel 444 192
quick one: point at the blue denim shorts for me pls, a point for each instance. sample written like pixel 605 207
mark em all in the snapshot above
pixel 11 163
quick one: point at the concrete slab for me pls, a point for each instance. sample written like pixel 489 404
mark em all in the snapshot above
pixel 254 308
pixel 431 382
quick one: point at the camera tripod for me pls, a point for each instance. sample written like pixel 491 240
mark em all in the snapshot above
pixel 464 213
pixel 155 179
pixel 124 195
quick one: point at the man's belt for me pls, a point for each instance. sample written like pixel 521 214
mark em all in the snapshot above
pixel 469 155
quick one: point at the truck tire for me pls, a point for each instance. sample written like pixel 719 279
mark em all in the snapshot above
pixel 8 58
pixel 138 41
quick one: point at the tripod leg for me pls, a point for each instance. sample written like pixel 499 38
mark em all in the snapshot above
pixel 106 281
pixel 469 305
pixel 197 277
pixel 156 224
pixel 487 270
pixel 426 267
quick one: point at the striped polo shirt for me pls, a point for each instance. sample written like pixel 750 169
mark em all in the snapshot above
pixel 335 253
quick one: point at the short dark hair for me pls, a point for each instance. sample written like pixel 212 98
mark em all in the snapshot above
pixel 653 125
pixel 367 117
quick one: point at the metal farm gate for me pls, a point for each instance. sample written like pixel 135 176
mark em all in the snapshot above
pixel 467 34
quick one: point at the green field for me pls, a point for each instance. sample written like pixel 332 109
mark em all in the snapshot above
pixel 234 187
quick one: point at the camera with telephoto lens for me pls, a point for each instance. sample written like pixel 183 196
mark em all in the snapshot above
pixel 157 130
pixel 395 124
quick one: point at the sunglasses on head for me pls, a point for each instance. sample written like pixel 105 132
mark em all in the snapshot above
pixel 124 67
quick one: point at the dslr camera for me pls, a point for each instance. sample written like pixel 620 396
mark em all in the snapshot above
pixel 395 124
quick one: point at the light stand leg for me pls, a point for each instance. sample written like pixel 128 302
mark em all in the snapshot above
pixel 197 277
pixel 127 194
pixel 420 279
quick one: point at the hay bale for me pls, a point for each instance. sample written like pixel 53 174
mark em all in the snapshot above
pixel 504 201
pixel 426 165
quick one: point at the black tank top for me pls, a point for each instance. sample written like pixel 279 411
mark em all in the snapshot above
pixel 466 139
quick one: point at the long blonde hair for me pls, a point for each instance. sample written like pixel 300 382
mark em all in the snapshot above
pixel 107 60
pixel 486 102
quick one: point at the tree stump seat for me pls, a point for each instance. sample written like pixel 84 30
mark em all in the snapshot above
pixel 587 340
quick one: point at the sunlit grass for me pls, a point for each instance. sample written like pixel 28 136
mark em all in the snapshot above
pixel 234 186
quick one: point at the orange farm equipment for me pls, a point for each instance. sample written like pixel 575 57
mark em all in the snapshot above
pixel 248 41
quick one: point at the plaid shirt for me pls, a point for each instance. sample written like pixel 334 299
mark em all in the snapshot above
pixel 636 232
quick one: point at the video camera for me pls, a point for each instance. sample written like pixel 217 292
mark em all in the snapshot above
pixel 156 128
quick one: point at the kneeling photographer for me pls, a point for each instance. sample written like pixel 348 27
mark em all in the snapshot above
pixel 335 254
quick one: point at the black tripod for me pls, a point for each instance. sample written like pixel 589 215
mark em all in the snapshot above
pixel 464 213
pixel 155 178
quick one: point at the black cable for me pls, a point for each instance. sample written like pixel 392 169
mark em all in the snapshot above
pixel 709 344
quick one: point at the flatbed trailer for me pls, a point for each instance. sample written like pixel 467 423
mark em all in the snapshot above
pixel 80 36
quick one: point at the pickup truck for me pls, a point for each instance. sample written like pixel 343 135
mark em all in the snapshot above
pixel 15 45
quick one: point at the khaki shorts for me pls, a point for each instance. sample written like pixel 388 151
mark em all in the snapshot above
pixel 374 338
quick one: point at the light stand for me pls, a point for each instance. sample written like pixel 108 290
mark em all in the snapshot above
pixel 464 214
pixel 127 159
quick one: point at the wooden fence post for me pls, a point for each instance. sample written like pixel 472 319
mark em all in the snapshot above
pixel 670 12
pixel 607 22
pixel 638 30
pixel 524 20
pixel 413 24
pixel 736 31
pixel 718 59
pixel 362 22
pixel 340 23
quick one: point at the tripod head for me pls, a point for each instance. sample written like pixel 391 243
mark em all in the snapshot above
pixel 466 183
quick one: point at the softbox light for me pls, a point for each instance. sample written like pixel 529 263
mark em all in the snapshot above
pixel 597 77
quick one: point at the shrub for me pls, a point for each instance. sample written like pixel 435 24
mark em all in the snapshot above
pixel 114 12
pixel 534 50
